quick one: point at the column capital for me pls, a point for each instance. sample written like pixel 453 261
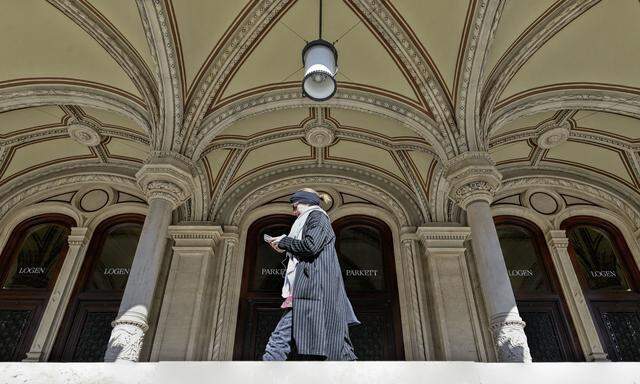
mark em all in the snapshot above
pixel 78 236
pixel 472 176
pixel 557 239
pixel 443 237
pixel 166 176
pixel 195 236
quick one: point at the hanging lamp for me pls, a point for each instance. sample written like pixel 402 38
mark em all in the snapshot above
pixel 320 60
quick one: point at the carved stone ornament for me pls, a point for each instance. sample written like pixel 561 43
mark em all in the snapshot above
pixel 126 340
pixel 472 176
pixel 167 178
pixel 551 134
pixel 84 134
pixel 511 341
pixel 319 135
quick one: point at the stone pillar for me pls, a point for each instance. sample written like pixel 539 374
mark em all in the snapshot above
pixel 167 183
pixel 473 180
pixel 418 340
pixel 457 327
pixel 584 325
pixel 57 305
pixel 182 334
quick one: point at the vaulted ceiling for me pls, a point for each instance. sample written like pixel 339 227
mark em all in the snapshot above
pixel 419 82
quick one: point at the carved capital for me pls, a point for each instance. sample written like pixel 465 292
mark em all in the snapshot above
pixel 511 341
pixel 126 340
pixel 444 238
pixel 557 239
pixel 472 176
pixel 78 236
pixel 192 237
pixel 167 178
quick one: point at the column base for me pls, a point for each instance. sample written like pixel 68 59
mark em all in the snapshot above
pixel 511 341
pixel 126 340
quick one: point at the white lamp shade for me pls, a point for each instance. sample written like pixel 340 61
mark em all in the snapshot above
pixel 320 66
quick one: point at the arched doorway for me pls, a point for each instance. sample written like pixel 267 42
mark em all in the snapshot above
pixel 365 252
pixel 29 266
pixel 610 281
pixel 94 303
pixel 537 290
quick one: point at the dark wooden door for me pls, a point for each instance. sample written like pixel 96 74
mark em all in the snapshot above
pixel 29 267
pixel 365 251
pixel 95 301
pixel 610 281
pixel 550 335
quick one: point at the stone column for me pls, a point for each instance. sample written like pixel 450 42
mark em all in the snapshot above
pixel 582 320
pixel 473 180
pixel 182 334
pixel 57 305
pixel 458 332
pixel 167 183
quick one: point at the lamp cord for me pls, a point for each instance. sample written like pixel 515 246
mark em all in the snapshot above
pixel 320 22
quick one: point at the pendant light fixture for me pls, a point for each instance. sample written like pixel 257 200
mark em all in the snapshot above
pixel 320 60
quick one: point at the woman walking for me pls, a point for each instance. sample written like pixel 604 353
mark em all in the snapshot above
pixel 317 310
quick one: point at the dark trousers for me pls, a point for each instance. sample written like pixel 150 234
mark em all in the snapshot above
pixel 281 347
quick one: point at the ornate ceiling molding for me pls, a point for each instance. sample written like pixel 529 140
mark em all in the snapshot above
pixel 269 101
pixel 605 99
pixel 476 50
pixel 160 38
pixel 576 188
pixel 378 16
pixel 248 31
pixel 87 18
pixel 242 200
pixel 34 95
pixel 527 44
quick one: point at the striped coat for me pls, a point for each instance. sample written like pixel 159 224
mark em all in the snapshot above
pixel 321 309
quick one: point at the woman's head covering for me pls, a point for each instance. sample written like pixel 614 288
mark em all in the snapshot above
pixel 304 197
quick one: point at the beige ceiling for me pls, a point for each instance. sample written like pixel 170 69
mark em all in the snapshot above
pixel 42 45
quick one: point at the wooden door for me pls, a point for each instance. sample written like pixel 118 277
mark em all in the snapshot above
pixel 538 294
pixel 95 301
pixel 29 266
pixel 610 281
pixel 365 252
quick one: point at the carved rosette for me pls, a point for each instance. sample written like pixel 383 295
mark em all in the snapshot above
pixel 552 134
pixel 84 134
pixel 319 135
pixel 472 176
pixel 126 340
pixel 170 180
pixel 511 341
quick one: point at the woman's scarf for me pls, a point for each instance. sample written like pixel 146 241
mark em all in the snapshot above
pixel 296 233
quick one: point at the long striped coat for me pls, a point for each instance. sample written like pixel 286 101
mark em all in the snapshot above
pixel 321 310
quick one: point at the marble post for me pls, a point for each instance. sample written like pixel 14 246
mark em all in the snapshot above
pixel 583 322
pixel 167 183
pixel 474 179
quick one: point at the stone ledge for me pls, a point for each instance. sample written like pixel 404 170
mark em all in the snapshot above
pixel 319 372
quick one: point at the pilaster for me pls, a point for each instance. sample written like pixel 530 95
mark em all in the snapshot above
pixel 57 305
pixel 456 319
pixel 578 308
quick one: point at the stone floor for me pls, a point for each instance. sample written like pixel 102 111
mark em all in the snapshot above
pixel 314 372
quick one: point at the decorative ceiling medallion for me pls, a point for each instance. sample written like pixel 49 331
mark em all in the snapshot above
pixel 552 134
pixel 84 134
pixel 543 203
pixel 319 136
